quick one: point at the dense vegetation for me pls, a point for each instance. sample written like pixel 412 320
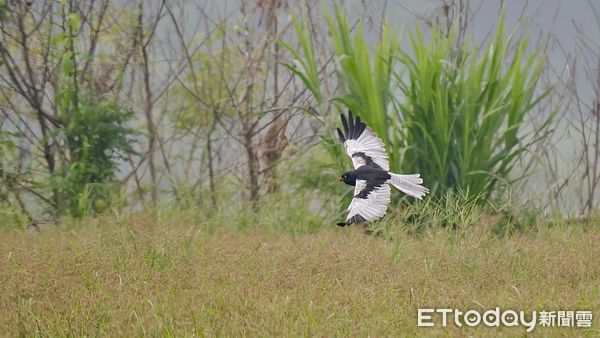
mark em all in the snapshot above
pixel 97 114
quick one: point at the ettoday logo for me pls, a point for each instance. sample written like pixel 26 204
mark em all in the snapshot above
pixel 497 317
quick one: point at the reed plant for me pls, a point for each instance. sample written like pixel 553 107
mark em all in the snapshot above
pixel 451 110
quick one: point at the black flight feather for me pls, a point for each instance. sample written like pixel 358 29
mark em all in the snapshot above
pixel 354 219
pixel 345 125
pixel 352 127
pixel 362 128
pixel 341 135
pixel 357 126
pixel 351 124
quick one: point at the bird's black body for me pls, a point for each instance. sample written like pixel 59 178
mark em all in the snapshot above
pixel 372 173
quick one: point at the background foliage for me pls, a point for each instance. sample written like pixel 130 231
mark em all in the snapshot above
pixel 141 104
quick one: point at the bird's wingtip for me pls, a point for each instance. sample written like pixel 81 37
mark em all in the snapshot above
pixel 341 135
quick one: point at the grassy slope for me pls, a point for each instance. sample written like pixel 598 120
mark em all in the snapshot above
pixel 179 279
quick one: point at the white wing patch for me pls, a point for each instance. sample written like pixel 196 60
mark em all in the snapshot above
pixel 372 207
pixel 370 146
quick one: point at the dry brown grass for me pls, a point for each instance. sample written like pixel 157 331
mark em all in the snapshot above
pixel 178 279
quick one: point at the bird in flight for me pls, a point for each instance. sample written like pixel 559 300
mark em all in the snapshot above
pixel 371 176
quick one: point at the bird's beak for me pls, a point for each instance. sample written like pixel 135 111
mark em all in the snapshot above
pixel 341 178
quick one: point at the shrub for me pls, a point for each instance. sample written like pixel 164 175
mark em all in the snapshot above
pixel 463 112
pixel 97 138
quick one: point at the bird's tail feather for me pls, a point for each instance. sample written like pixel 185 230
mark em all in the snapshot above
pixel 409 184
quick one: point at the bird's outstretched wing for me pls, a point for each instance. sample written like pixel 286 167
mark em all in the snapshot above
pixel 362 144
pixel 370 202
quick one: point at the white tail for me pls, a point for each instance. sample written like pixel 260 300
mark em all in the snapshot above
pixel 409 184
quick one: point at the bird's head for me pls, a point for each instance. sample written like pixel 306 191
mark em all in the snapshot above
pixel 348 178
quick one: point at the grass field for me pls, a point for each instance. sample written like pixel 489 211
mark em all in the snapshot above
pixel 177 278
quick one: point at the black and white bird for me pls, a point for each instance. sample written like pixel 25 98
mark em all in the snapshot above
pixel 371 176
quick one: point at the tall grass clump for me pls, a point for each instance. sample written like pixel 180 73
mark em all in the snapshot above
pixel 365 77
pixel 464 109
pixel 450 110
